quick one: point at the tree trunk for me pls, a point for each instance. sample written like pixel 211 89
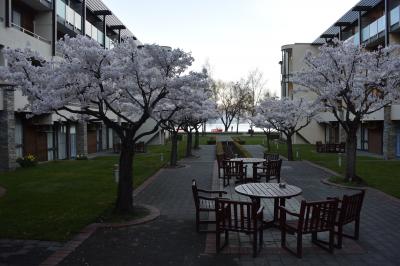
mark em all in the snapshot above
pixel 174 149
pixel 351 153
pixel 196 140
pixel 124 202
pixel 289 148
pixel 268 143
pixel 237 125
pixel 189 143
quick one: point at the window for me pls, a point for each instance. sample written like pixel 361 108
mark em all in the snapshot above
pixel 50 146
pixel 18 138
pixel 72 141
pixel 16 18
pixel 62 142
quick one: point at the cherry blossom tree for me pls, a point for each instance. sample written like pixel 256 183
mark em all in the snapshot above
pixel 129 83
pixel 192 104
pixel 351 83
pixel 286 116
pixel 258 120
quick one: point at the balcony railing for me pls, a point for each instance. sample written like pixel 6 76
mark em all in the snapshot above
pixel 34 35
pixel 373 29
pixel 69 15
pixel 395 16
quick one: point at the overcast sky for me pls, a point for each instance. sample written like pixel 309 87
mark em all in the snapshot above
pixel 236 36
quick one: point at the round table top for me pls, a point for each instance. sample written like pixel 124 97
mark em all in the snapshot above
pixel 268 190
pixel 249 160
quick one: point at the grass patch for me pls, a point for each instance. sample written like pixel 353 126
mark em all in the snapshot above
pixel 375 172
pixel 55 200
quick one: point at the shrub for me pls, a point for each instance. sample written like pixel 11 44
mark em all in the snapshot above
pixel 219 148
pixel 82 157
pixel 212 141
pixel 242 151
pixel 27 161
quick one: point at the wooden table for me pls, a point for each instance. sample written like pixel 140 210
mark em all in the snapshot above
pixel 257 191
pixel 253 161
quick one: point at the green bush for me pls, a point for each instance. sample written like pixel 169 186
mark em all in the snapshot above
pixel 27 161
pixel 219 148
pixel 239 140
pixel 212 141
pixel 242 151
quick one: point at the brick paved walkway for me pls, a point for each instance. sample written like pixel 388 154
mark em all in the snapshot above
pixel 171 240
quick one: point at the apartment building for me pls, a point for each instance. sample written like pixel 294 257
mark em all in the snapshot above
pixel 38 24
pixel 370 23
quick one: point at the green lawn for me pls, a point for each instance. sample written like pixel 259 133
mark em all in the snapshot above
pixel 55 200
pixel 377 173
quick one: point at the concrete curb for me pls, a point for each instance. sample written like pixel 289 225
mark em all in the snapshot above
pixel 86 232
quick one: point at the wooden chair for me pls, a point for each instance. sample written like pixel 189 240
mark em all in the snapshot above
pixel 204 204
pixel 314 217
pixel 239 216
pixel 271 156
pixel 233 169
pixel 349 211
pixel 270 170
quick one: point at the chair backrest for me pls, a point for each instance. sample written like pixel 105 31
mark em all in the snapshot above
pixel 274 168
pixel 271 156
pixel 195 193
pixel 351 207
pixel 233 168
pixel 317 216
pixel 236 215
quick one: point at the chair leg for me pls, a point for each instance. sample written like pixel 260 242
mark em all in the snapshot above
pixel 299 245
pixel 226 237
pixel 314 237
pixel 217 241
pixel 331 240
pixel 197 222
pixel 255 244
pixel 283 236
pixel 339 237
pixel 357 228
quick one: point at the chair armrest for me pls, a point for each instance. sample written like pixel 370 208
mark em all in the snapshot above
pixel 334 198
pixel 220 192
pixel 281 208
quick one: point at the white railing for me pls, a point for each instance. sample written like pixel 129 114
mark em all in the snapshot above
pixel 34 35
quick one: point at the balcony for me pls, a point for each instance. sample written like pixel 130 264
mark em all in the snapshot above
pixel 395 18
pixel 70 18
pixel 374 31
pixel 355 39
